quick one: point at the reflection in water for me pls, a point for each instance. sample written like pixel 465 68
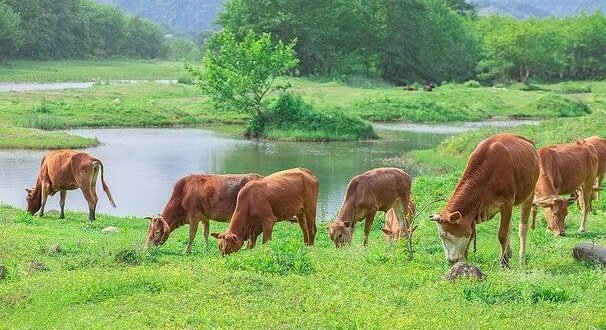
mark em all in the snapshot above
pixel 141 165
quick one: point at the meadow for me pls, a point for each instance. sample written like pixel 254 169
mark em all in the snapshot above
pixel 151 104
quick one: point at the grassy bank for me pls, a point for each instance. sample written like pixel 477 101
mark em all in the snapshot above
pixel 89 70
pixel 107 280
pixel 23 138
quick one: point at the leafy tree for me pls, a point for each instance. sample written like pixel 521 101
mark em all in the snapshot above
pixel 10 30
pixel 239 75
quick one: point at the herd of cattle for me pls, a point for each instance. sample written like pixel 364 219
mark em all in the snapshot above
pixel 503 171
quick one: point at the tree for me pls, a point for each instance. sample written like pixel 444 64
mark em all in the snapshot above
pixel 10 30
pixel 239 75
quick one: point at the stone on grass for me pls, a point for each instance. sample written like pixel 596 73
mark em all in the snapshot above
pixel 109 230
pixel 589 252
pixel 37 266
pixel 55 248
pixel 463 269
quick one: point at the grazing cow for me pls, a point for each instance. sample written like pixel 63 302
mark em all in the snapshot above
pixel 565 168
pixel 394 230
pixel 380 189
pixel 65 170
pixel 501 173
pixel 198 198
pixel 599 145
pixel 261 203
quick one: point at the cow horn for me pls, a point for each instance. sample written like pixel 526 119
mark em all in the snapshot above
pixel 435 217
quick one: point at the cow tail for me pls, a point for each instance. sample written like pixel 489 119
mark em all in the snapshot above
pixel 105 187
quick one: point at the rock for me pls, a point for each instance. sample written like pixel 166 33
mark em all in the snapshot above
pixel 37 266
pixel 2 271
pixel 109 230
pixel 55 248
pixel 590 252
pixel 464 269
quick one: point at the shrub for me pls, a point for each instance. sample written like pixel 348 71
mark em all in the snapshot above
pixel 561 106
pixel 472 84
pixel 289 117
pixel 416 110
pixel 574 88
pixel 185 80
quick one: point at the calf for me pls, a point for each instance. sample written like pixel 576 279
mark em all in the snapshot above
pixel 394 230
pixel 599 145
pixel 380 189
pixel 501 173
pixel 65 170
pixel 198 198
pixel 261 203
pixel 565 169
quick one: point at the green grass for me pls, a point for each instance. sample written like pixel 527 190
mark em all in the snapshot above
pixel 110 281
pixel 75 70
pixel 23 138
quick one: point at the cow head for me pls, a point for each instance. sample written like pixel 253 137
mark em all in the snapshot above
pixel 340 232
pixel 455 232
pixel 158 231
pixel 228 242
pixel 33 199
pixel 556 210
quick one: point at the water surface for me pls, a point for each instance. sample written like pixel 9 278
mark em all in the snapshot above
pixel 141 165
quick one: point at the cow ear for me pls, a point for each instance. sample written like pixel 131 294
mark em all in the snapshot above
pixel 148 218
pixel 29 190
pixel 215 235
pixel 544 201
pixel 571 199
pixel 455 216
pixel 387 231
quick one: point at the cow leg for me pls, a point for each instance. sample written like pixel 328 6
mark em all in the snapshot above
pixel 91 199
pixel 268 228
pixel 533 223
pixel 205 228
pixel 504 235
pixel 303 226
pixel 370 218
pixel 523 230
pixel 310 222
pixel 62 196
pixel 585 204
pixel 193 229
pixel 44 197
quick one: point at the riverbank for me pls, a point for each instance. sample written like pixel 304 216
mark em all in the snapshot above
pixel 169 105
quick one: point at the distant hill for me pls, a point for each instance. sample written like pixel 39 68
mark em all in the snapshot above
pixel 538 8
pixel 193 16
pixel 188 17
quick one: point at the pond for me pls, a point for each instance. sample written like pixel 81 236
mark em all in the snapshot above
pixel 141 165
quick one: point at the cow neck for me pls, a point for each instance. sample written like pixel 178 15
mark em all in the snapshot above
pixel 38 194
pixel 174 216
pixel 468 197
pixel 239 227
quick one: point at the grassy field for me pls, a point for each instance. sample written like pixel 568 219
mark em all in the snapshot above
pixel 100 280
pixel 89 70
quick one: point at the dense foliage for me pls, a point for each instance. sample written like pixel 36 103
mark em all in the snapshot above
pixel 239 75
pixel 397 40
pixel 55 29
pixel 425 40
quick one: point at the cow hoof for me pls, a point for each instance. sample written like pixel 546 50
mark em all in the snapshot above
pixel 504 263
pixel 582 230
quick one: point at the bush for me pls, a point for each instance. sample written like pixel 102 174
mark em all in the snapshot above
pixel 415 110
pixel 277 257
pixel 185 80
pixel 472 84
pixel 561 106
pixel 289 117
pixel 572 88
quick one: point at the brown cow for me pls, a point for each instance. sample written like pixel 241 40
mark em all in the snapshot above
pixel 501 173
pixel 565 168
pixel 196 198
pixel 380 189
pixel 261 203
pixel 65 170
pixel 394 230
pixel 599 145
